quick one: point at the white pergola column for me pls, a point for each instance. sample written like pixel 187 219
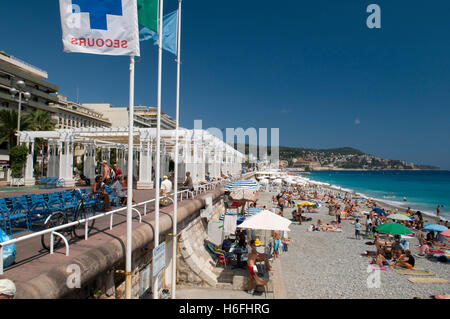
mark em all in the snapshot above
pixel 89 161
pixel 29 179
pixel 192 166
pixel 121 159
pixel 52 159
pixel 145 166
pixel 125 162
pixel 106 155
pixel 136 164
pixel 182 163
pixel 201 162
pixel 66 162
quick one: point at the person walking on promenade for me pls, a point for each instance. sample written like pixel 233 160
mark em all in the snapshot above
pixel 117 170
pixel 106 171
pixel 357 229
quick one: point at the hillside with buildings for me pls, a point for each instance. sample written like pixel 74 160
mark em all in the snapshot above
pixel 340 158
pixel 337 159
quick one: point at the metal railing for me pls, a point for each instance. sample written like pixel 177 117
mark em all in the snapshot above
pixel 53 231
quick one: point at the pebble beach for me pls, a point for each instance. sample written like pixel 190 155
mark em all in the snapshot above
pixel 329 265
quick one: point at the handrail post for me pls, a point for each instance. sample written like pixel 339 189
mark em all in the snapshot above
pixel 86 223
pixel 1 259
pixel 51 243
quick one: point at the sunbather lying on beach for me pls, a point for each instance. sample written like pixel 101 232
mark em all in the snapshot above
pixel 405 261
pixel 380 260
pixel 332 228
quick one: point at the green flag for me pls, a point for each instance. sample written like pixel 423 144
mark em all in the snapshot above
pixel 148 14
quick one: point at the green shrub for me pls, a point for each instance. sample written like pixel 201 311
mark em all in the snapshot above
pixel 17 158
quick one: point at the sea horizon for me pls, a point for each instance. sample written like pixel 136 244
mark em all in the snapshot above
pixel 422 189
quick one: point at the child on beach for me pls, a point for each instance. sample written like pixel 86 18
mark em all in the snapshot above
pixel 357 229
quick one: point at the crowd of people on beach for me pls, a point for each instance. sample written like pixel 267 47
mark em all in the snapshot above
pixel 366 216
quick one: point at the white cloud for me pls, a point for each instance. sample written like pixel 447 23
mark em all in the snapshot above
pixel 357 121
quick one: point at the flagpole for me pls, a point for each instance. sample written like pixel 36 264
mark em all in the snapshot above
pixel 129 183
pixel 158 142
pixel 175 180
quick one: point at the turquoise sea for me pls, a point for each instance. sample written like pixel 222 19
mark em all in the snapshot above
pixel 424 190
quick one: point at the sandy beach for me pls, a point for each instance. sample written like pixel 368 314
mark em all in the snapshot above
pixel 329 264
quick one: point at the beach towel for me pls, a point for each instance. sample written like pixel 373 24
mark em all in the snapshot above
pixel 376 267
pixel 442 297
pixel 425 280
pixel 229 224
pixel 415 272
pixel 435 251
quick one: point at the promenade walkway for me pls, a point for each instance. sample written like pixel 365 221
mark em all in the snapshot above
pixel 32 260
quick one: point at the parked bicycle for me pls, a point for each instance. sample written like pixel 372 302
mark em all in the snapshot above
pixel 61 217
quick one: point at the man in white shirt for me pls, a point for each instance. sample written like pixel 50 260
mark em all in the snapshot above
pixel 166 185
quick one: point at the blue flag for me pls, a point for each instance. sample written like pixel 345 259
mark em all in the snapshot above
pixel 169 40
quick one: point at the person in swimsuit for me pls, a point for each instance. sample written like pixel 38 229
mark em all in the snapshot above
pixel 254 256
pixel 405 261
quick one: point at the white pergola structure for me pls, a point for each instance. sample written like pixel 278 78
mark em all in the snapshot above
pixel 199 153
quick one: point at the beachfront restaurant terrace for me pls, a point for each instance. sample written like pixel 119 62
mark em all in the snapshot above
pixel 199 152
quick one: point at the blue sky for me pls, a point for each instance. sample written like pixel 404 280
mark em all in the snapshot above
pixel 311 68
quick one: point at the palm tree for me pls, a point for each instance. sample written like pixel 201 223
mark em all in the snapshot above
pixel 8 126
pixel 40 121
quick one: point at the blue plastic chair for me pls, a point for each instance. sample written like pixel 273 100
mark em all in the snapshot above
pixel 4 210
pixel 52 181
pixel 90 200
pixel 19 215
pixel 54 202
pixel 39 208
pixel 69 202
pixel 60 182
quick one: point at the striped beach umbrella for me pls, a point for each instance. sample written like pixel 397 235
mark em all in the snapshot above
pixel 399 217
pixel 243 184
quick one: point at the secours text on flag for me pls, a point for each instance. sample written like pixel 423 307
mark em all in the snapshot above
pixel 100 26
pixel 169 40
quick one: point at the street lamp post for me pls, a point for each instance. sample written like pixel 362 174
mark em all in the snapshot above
pixel 21 86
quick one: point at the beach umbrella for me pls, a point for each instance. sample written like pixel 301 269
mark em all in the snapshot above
pixel 243 184
pixel 243 195
pixel 263 181
pixel 399 217
pixel 393 228
pixel 266 220
pixel 253 210
pixel 379 211
pixel 446 233
pixel 435 227
pixel 276 181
